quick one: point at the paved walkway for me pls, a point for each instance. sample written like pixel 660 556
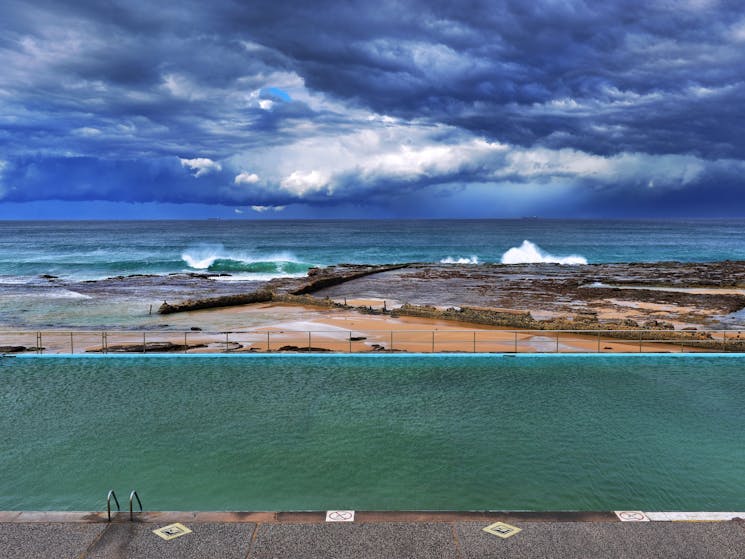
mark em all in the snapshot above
pixel 371 535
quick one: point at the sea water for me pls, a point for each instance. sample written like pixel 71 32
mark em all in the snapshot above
pixel 264 249
pixel 634 432
pixel 75 253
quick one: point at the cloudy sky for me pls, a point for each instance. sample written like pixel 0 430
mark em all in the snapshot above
pixel 372 109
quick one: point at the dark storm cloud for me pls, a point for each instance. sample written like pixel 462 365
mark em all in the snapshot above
pixel 100 100
pixel 499 68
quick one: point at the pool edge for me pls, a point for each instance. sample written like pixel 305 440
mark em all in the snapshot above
pixel 315 517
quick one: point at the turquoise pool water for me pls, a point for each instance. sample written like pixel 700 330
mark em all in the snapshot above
pixel 456 432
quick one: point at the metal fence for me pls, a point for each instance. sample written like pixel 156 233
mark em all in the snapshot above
pixel 351 341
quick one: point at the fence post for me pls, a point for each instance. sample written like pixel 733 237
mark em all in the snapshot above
pixel 557 342
pixel 474 341
pixel 724 340
pixel 144 343
pixel 350 340
pixel 433 341
pixel 641 333
pixel 309 344
pixel 186 345
pixel 72 347
pixel 515 342
pixel 267 342
pixel 227 334
pixel 598 342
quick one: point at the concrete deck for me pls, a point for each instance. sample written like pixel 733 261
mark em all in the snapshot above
pixel 25 535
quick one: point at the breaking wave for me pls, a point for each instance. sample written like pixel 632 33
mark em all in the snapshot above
pixel 216 259
pixel 530 253
pixel 464 260
pixel 64 294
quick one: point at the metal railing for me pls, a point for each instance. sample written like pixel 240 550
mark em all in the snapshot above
pixel 108 503
pixel 133 496
pixel 357 341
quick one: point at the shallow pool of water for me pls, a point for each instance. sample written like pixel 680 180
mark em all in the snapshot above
pixel 298 432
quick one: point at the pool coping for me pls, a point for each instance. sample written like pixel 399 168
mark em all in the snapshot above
pixel 366 517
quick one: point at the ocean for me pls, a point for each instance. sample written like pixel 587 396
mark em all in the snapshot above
pixel 264 249
pixel 76 253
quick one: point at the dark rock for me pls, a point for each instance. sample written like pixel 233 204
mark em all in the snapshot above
pixel 305 349
pixel 282 287
pixel 335 275
pixel 659 325
pixel 215 302
pixel 149 347
pixel 14 348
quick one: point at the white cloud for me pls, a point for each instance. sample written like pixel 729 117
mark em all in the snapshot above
pixel 303 182
pixel 246 178
pixel 262 209
pixel 433 59
pixel 201 165
pixel 87 131
pixel 413 163
pixel 182 87
pixel 699 5
pixel 545 165
pixel 238 211
pixel 737 31
pixel 382 149
pixel 541 162
pixel 384 157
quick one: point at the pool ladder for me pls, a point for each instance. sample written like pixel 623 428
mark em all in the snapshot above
pixel 132 497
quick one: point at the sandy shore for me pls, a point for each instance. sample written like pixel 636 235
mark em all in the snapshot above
pixel 282 327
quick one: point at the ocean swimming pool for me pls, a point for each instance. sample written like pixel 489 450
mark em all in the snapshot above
pixel 382 432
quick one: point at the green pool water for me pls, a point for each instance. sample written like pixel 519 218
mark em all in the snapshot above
pixel 455 432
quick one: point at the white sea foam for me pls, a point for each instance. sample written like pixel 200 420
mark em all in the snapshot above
pixel 64 294
pixel 463 260
pixel 529 253
pixel 198 260
pixel 204 256
pixel 15 280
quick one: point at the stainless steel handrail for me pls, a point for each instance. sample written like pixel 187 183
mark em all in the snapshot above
pixel 108 503
pixel 131 497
